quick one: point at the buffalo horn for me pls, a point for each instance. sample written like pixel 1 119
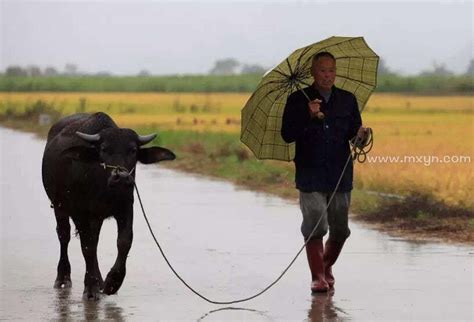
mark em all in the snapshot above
pixel 89 137
pixel 144 139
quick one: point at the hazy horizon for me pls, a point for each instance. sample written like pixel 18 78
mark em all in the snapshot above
pixel 124 37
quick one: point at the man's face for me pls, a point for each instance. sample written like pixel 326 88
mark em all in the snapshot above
pixel 324 72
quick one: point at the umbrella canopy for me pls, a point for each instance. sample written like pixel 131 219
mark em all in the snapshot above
pixel 262 114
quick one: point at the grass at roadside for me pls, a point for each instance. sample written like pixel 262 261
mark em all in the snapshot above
pixel 416 214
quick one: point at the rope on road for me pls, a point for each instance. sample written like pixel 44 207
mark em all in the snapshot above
pixel 357 149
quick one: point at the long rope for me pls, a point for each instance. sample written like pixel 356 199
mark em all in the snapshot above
pixel 357 149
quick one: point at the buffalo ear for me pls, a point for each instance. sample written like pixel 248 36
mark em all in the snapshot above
pixel 154 154
pixel 81 153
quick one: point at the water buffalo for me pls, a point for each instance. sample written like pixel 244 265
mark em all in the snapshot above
pixel 88 174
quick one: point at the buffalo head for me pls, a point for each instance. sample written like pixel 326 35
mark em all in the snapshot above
pixel 118 150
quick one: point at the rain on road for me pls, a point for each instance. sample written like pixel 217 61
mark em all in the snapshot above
pixel 226 242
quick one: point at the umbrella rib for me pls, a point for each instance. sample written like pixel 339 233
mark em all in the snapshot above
pixel 357 51
pixel 255 152
pixel 304 83
pixel 298 61
pixel 250 147
pixel 274 131
pixel 325 48
pixel 282 81
pixel 275 100
pixel 279 81
pixel 280 72
pixel 281 86
pixel 289 66
pixel 266 96
pixel 274 81
pixel 271 92
pixel 310 47
pixel 260 100
pixel 352 45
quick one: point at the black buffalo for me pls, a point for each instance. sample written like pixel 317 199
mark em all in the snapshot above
pixel 88 174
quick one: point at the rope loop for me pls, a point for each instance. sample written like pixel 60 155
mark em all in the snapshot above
pixel 358 152
pixel 361 147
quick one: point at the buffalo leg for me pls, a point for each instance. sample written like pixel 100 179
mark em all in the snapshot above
pixel 89 234
pixel 124 243
pixel 63 229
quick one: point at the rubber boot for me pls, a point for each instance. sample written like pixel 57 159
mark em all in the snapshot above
pixel 315 252
pixel 331 253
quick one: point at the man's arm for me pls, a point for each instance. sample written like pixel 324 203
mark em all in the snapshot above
pixel 295 119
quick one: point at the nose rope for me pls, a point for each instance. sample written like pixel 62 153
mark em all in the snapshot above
pixel 358 148
pixel 116 167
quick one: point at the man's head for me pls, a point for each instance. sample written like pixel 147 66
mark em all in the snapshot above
pixel 323 70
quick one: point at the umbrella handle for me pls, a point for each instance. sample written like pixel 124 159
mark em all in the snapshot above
pixel 319 115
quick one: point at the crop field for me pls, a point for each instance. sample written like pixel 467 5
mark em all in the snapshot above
pixel 430 135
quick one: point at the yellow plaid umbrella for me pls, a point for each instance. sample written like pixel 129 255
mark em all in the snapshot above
pixel 262 114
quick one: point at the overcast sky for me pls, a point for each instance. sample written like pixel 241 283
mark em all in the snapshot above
pixel 124 37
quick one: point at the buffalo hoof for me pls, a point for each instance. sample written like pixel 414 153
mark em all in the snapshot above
pixel 113 282
pixel 91 294
pixel 64 283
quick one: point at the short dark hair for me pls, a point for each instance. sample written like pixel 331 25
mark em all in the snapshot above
pixel 322 54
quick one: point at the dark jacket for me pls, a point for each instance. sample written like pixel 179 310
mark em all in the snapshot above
pixel 322 146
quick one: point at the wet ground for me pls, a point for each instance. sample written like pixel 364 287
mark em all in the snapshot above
pixel 228 244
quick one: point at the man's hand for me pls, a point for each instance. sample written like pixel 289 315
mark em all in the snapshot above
pixel 314 107
pixel 362 134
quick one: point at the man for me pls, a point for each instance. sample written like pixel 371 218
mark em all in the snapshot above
pixel 322 129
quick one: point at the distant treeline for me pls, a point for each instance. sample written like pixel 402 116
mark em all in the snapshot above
pixel 214 83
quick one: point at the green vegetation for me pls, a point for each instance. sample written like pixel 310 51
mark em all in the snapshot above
pixel 211 83
pixel 426 84
pixel 214 83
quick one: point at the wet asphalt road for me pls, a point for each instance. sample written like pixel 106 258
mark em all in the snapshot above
pixel 227 243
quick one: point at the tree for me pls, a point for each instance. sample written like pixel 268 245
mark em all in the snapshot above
pixel 470 68
pixel 15 71
pixel 144 73
pixel 253 69
pixel 70 69
pixel 225 66
pixel 33 71
pixel 50 71
pixel 383 68
pixel 438 70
